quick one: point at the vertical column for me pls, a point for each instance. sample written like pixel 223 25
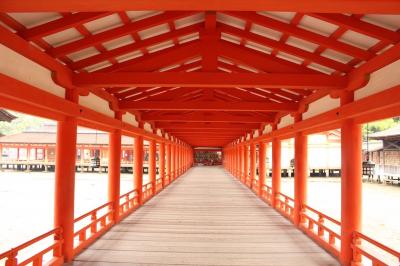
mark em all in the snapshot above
pixel 237 161
pixel 262 154
pixel 161 166
pixel 252 163
pixel 301 174
pixel 114 166
pixel 246 163
pixel 152 165
pixel 351 185
pixel 173 169
pixel 168 163
pixel 176 160
pixel 276 169
pixel 138 168
pixel 65 180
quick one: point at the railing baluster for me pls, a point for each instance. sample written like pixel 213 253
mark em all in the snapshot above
pixel 93 227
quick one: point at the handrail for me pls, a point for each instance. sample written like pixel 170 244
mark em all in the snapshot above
pixel 285 206
pixel 93 228
pixel 325 235
pixel 359 251
pixel 36 259
pixel 131 202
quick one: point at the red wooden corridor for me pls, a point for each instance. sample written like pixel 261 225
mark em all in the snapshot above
pixel 179 75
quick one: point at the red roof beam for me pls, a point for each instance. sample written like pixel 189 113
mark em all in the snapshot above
pixel 208 106
pixel 69 21
pixel 201 125
pixel 303 34
pixel 286 48
pixel 337 6
pixel 207 80
pixel 134 47
pixel 116 33
pixel 355 24
pixel 206 117
pixel 160 59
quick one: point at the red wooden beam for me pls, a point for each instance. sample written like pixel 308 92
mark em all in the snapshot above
pixel 116 33
pixel 259 60
pixel 155 61
pixel 286 48
pixel 134 47
pixel 204 80
pixel 201 125
pixel 337 6
pixel 208 106
pixel 360 26
pixel 61 24
pixel 207 117
pixel 304 34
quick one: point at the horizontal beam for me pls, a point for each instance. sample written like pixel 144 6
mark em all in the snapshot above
pixel 209 106
pixel 209 79
pixel 207 117
pixel 199 125
pixel 305 6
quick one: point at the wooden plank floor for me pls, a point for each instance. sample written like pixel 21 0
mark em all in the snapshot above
pixel 205 218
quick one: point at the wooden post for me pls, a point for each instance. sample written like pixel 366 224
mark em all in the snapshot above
pixel 253 165
pixel 301 173
pixel 276 169
pixel 168 163
pixel 351 185
pixel 65 179
pixel 262 154
pixel 246 164
pixel 114 167
pixel 152 165
pixel 173 169
pixel 161 166
pixel 138 168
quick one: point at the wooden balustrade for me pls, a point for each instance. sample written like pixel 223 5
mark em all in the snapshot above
pixel 33 251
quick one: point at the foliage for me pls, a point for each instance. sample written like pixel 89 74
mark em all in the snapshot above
pixel 379 125
pixel 21 123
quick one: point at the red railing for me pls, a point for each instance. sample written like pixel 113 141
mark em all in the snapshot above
pixel 92 225
pixel 147 191
pixel 266 194
pixel 48 244
pixel 365 248
pixel 285 205
pixel 128 203
pixel 322 228
pixel 159 185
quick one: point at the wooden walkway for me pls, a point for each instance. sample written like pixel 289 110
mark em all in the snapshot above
pixel 205 218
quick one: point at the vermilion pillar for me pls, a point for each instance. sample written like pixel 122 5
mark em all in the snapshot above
pixel 253 165
pixel 351 185
pixel 161 167
pixel 173 169
pixel 242 155
pixel 168 163
pixel 152 165
pixel 262 154
pixel 276 169
pixel 138 167
pixel 114 166
pixel 65 180
pixel 301 174
pixel 246 163
pixel 237 161
pixel 240 164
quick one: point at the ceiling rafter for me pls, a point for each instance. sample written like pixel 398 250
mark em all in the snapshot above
pixel 134 47
pixel 157 60
pixel 120 31
pixel 303 34
pixel 209 106
pixel 338 6
pixel 209 80
pixel 281 46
